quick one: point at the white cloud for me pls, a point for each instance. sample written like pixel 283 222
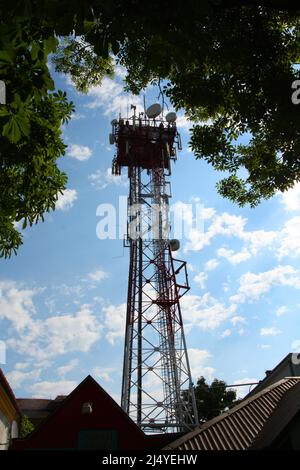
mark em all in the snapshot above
pixel 224 224
pixel 289 240
pixel 63 370
pixel 57 335
pixel 225 286
pixel 66 200
pixel 103 373
pixel 196 240
pixel 200 280
pixel 229 225
pixel 49 389
pixel 21 365
pixel 206 312
pixel 207 213
pixel 114 321
pixel 270 331
pixel 77 116
pixel 101 179
pixel 295 345
pixel 241 392
pixel 183 123
pixel 226 333
pixel 111 99
pixel 253 286
pixel 237 319
pixel 232 257
pixel 16 378
pixel 291 198
pixel 120 71
pixel 197 359
pixel 211 264
pixel 258 239
pixel 80 152
pixel 98 275
pixel 16 304
pixel 191 267
pixel 69 290
pixel 281 311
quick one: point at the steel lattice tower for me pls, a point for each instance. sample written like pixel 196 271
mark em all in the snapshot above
pixel 157 390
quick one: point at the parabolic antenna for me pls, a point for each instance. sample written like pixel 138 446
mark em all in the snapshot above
pixel 171 117
pixel 174 244
pixel 114 122
pixel 153 111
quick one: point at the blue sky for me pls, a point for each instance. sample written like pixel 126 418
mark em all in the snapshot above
pixel 62 298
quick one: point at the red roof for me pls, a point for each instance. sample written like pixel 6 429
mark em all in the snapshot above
pixel 62 428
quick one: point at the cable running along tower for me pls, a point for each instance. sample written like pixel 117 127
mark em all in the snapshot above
pixel 157 390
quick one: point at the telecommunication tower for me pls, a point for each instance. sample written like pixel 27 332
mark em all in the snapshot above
pixel 157 390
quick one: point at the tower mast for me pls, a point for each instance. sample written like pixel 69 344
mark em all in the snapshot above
pixel 157 390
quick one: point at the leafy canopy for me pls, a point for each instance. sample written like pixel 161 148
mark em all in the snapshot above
pixel 213 399
pixel 26 426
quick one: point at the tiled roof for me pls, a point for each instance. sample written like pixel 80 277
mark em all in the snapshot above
pixel 37 409
pixel 240 427
pixel 37 404
pixel 33 404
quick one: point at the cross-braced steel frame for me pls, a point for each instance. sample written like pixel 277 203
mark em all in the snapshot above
pixel 157 390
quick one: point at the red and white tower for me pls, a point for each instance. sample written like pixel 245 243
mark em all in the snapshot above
pixel 157 390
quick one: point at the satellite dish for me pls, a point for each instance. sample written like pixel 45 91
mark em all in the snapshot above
pixel 174 244
pixel 153 111
pixel 171 117
pixel 114 122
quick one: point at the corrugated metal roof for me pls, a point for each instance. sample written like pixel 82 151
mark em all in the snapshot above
pixel 238 428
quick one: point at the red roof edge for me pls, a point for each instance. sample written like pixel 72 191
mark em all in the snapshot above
pixel 9 391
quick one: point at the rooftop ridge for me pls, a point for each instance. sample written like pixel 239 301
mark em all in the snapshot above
pixel 244 421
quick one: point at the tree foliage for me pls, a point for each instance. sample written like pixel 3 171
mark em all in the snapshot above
pixel 76 57
pixel 213 399
pixel 229 64
pixel 26 426
pixel 30 128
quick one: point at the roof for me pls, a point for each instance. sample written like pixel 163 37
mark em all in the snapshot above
pixel 62 426
pixel 37 409
pixel 9 392
pixel 61 402
pixel 33 404
pixel 269 378
pixel 282 416
pixel 241 427
pixel 39 404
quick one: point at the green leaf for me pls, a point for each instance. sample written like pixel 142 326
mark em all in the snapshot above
pixel 50 44
pixel 17 125
pixel 4 111
pixel 11 130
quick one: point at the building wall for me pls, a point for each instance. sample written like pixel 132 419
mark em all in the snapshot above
pixel 289 439
pixel 68 428
pixel 8 420
pixel 4 431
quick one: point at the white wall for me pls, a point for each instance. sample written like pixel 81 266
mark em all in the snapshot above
pixel 4 432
